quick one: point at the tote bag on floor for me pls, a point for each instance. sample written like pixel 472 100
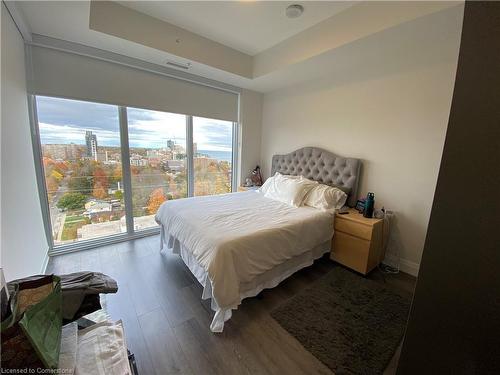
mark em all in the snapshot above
pixel 31 335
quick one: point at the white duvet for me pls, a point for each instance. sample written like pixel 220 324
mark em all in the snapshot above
pixel 236 237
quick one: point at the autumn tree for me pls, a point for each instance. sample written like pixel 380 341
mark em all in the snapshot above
pixel 56 175
pixel 202 187
pixel 213 167
pixel 134 170
pixel 47 162
pixel 156 198
pixel 99 191
pixel 61 166
pixel 222 184
pixel 117 174
pixel 181 182
pixel 100 178
pixel 52 185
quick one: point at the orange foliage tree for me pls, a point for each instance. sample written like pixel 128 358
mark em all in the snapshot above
pixel 62 166
pixel 47 161
pixel 52 185
pixel 99 191
pixel 156 198
pixel 117 174
pixel 100 178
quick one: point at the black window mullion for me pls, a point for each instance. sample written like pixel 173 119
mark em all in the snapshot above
pixel 126 174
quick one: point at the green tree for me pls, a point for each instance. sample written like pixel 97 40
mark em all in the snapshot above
pixel 118 194
pixel 72 201
pixel 81 178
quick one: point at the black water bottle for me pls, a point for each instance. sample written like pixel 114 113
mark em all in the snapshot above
pixel 369 204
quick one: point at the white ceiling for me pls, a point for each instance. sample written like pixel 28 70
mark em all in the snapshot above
pixel 248 26
pixel 244 26
pixel 69 20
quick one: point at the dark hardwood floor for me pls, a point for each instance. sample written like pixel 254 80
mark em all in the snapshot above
pixel 167 323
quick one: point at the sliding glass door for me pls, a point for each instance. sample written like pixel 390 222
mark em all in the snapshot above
pixel 91 195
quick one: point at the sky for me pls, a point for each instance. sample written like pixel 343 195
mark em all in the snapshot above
pixel 65 121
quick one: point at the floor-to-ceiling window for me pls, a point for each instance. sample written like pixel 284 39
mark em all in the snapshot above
pixel 157 144
pixel 213 153
pixel 171 156
pixel 80 144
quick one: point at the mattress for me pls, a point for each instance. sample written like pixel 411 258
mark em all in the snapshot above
pixel 236 237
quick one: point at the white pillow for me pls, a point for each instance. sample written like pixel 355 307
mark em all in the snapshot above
pixel 287 189
pixel 325 197
pixel 271 181
pixel 267 184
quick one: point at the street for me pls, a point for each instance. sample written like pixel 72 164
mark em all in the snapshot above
pixel 56 216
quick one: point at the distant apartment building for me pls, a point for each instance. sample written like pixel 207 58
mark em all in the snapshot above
pixel 91 142
pixel 73 152
pixel 61 152
pixel 168 155
pixel 178 149
pixel 138 161
pixel 174 165
pixel 203 162
pixel 101 156
pixel 152 154
pixel 56 152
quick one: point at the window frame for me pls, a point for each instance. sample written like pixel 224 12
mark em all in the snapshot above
pixel 131 233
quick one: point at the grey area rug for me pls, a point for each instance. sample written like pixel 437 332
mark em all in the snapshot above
pixel 351 324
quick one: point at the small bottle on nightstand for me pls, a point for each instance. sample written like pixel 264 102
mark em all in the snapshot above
pixel 369 205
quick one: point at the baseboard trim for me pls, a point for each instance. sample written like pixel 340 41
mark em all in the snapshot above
pixel 406 266
pixel 45 263
pixel 409 267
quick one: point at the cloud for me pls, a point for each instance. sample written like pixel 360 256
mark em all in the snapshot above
pixel 212 135
pixel 59 134
pixel 153 129
pixel 87 115
pixel 65 121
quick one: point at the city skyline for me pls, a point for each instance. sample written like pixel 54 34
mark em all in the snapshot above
pixel 63 121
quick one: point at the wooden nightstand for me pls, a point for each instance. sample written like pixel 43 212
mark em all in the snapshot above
pixel 246 188
pixel 357 241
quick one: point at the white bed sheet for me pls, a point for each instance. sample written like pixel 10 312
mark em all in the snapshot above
pixel 234 238
pixel 268 279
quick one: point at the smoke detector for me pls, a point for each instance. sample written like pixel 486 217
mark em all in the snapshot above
pixel 294 11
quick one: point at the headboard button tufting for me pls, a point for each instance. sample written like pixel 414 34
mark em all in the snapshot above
pixel 322 166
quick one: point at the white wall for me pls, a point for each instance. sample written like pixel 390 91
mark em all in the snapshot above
pixel 385 100
pixel 251 121
pixel 23 243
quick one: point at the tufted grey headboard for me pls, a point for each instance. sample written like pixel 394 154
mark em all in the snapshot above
pixel 322 166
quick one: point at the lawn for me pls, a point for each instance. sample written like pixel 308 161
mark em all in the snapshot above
pixel 71 225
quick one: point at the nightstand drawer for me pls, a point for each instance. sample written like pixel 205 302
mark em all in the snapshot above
pixel 350 251
pixel 353 228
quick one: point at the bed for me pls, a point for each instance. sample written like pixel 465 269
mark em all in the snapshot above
pixel 238 244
